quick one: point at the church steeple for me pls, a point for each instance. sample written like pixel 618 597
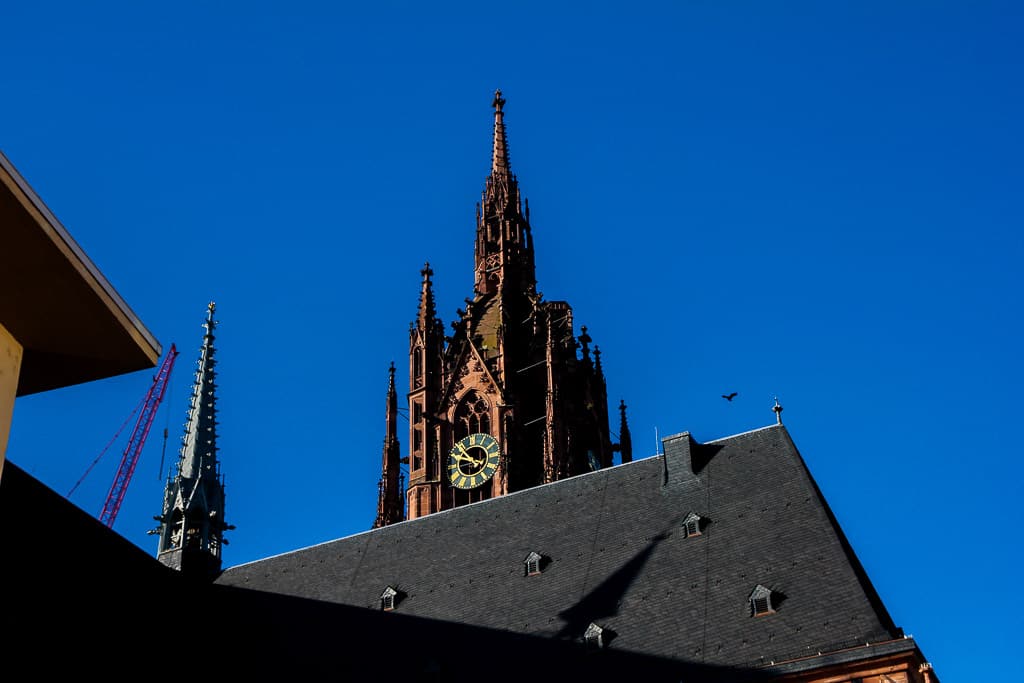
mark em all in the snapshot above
pixel 505 402
pixel 504 244
pixel 192 521
pixel 390 508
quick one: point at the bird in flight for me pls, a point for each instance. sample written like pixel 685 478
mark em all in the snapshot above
pixel 729 397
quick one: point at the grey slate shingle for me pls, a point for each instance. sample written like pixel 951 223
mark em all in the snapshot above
pixel 616 555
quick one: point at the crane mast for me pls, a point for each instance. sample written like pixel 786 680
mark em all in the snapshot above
pixel 130 457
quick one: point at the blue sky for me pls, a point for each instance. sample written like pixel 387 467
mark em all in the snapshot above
pixel 815 201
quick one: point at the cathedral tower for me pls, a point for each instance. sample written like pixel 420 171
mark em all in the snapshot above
pixel 505 402
pixel 192 521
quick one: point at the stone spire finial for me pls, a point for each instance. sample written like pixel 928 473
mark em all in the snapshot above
pixel 584 341
pixel 428 310
pixel 625 439
pixel 500 167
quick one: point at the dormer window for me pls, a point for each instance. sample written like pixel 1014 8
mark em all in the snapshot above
pixel 532 562
pixel 387 599
pixel 594 636
pixel 691 525
pixel 761 602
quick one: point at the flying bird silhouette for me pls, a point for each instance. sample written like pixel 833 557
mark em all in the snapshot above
pixel 730 397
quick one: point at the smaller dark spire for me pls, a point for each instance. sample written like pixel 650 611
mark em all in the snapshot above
pixel 585 340
pixel 625 439
pixel 392 394
pixel 389 496
pixel 778 411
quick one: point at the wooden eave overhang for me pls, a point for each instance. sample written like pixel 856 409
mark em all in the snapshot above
pixel 852 663
pixel 73 326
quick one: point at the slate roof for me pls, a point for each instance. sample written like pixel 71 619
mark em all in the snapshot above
pixel 615 554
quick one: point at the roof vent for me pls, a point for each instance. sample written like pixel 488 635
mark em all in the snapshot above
pixel 761 602
pixel 534 562
pixel 389 598
pixel 692 525
pixel 594 636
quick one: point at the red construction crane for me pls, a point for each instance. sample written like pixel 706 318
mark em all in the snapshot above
pixel 130 458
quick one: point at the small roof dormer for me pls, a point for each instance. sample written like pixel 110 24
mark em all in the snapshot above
pixel 692 525
pixel 761 601
pixel 595 636
pixel 389 599
pixel 534 563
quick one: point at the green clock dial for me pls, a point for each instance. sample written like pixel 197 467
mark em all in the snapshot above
pixel 473 460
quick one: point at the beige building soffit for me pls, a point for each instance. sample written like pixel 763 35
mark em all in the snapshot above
pixel 63 240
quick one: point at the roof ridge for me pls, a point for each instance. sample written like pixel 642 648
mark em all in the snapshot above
pixel 749 431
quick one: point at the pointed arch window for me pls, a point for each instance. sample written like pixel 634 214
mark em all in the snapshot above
pixel 472 416
pixel 417 366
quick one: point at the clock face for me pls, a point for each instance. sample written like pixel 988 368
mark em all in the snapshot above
pixel 473 460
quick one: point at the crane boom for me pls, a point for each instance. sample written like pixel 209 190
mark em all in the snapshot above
pixel 130 457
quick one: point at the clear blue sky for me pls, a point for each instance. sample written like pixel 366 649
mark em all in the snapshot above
pixel 815 201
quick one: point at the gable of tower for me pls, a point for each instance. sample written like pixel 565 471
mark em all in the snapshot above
pixel 471 374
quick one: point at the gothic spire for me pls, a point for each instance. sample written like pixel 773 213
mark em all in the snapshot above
pixel 504 244
pixel 625 439
pixel 389 489
pixel 427 311
pixel 501 192
pixel 192 521
pixel 500 167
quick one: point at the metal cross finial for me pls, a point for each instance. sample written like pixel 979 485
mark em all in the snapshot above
pixel 778 411
pixel 499 101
